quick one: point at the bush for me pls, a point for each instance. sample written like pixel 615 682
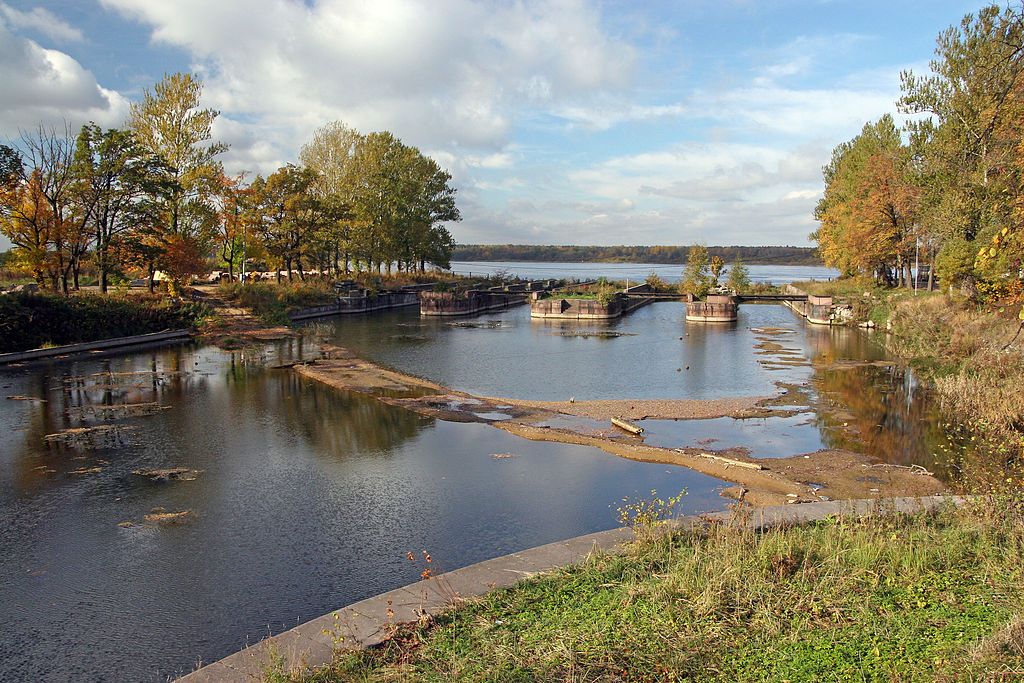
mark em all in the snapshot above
pixel 271 302
pixel 31 320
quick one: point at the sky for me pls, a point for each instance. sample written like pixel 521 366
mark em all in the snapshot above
pixel 560 121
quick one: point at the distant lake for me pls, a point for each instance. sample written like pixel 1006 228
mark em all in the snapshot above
pixel 638 272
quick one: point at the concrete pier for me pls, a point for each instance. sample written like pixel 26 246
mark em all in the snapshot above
pixel 717 308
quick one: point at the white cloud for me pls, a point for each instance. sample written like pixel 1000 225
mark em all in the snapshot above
pixel 48 88
pixel 447 73
pixel 42 20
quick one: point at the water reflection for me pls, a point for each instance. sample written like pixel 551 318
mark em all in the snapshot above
pixel 882 412
pixel 305 499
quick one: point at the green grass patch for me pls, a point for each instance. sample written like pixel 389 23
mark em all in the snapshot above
pixel 271 302
pixel 911 598
pixel 841 287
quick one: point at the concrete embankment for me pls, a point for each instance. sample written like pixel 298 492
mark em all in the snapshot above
pixel 96 347
pixel 568 308
pixel 366 623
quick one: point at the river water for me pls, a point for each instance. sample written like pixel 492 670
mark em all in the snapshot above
pixel 305 498
pixel 635 272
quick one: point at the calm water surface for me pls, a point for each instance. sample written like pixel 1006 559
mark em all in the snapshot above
pixel 307 498
pixel 636 272
pixel 660 355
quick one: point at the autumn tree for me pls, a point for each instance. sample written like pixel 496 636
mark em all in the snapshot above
pixel 288 212
pixel 40 211
pixel 236 217
pixel 168 123
pixel 118 178
pixel 868 212
pixel 965 145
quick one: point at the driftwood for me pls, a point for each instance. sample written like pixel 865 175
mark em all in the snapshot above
pixel 100 436
pixel 627 426
pixel 729 461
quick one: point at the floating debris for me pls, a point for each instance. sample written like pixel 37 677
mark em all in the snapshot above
pixel 27 398
pixel 164 518
pixel 771 331
pixel 500 456
pixel 410 338
pixel 172 474
pixel 118 411
pixel 85 470
pixel 483 325
pixel 100 436
pixel 600 334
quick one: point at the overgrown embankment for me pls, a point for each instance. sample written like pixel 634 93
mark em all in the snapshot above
pixel 912 598
pixel 271 302
pixel 972 355
pixel 30 320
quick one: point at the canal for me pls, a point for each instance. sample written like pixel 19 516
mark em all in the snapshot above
pixel 286 499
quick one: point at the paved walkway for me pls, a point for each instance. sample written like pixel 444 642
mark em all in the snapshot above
pixel 364 623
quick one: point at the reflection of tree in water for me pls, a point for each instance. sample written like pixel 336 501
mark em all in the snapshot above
pixel 890 414
pixel 339 422
pixel 828 343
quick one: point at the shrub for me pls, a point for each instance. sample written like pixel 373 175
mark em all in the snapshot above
pixel 30 320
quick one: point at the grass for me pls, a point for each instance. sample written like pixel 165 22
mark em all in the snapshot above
pixel 271 302
pixel 910 598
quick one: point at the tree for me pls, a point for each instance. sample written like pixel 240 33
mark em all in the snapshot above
pixel 168 123
pixel 697 276
pixel 235 217
pixel 965 147
pixel 716 266
pixel 117 177
pixel 287 214
pixel 739 277
pixel 39 209
pixel 869 209
pixel 399 197
pixel 331 155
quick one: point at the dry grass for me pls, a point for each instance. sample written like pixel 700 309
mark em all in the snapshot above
pixel 963 350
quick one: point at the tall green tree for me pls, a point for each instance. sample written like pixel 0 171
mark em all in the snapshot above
pixel 169 123
pixel 118 179
pixel 697 275
pixel 965 146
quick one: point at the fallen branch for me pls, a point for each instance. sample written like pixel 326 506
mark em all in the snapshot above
pixel 627 426
pixel 727 461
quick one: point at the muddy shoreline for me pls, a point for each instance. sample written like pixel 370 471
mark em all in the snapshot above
pixel 827 474
pixel 804 477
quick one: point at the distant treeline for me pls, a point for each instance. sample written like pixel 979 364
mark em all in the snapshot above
pixel 794 256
